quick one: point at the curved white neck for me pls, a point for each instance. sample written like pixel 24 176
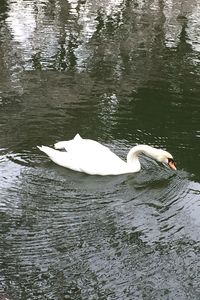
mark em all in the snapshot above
pixel 133 159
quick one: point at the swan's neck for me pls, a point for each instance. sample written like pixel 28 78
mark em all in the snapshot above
pixel 133 155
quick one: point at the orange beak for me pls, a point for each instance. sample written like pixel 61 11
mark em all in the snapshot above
pixel 171 164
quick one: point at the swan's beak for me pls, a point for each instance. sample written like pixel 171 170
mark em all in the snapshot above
pixel 171 164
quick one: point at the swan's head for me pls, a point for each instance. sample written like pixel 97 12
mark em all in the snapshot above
pixel 166 158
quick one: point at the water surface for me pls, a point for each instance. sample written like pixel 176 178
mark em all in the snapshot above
pixel 122 73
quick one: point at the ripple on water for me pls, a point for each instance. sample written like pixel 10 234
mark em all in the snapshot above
pixel 69 224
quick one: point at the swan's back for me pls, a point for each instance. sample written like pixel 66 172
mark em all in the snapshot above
pixel 78 144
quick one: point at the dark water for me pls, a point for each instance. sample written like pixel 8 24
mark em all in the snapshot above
pixel 123 73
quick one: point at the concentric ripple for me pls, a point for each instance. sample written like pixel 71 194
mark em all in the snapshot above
pixel 66 224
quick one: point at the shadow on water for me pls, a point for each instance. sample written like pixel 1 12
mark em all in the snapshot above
pixel 122 73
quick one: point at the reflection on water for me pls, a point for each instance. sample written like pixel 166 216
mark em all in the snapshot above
pixel 123 73
pixel 65 35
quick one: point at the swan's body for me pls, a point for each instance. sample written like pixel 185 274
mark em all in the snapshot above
pixel 88 156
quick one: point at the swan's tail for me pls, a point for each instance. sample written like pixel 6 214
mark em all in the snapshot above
pixel 60 158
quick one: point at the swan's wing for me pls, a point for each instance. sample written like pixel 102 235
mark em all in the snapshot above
pixel 77 144
pixel 99 162
pixel 67 145
pixel 91 157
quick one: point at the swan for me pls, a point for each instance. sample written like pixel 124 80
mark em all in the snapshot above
pixel 93 158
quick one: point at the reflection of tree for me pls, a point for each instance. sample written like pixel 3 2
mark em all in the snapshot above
pixel 65 57
pixel 3 11
pixel 78 33
pixel 116 48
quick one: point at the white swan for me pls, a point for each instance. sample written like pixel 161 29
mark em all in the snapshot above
pixel 88 156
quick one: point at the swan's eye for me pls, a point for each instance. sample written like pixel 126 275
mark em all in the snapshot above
pixel 171 164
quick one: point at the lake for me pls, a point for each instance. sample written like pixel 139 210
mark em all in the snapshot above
pixel 122 73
